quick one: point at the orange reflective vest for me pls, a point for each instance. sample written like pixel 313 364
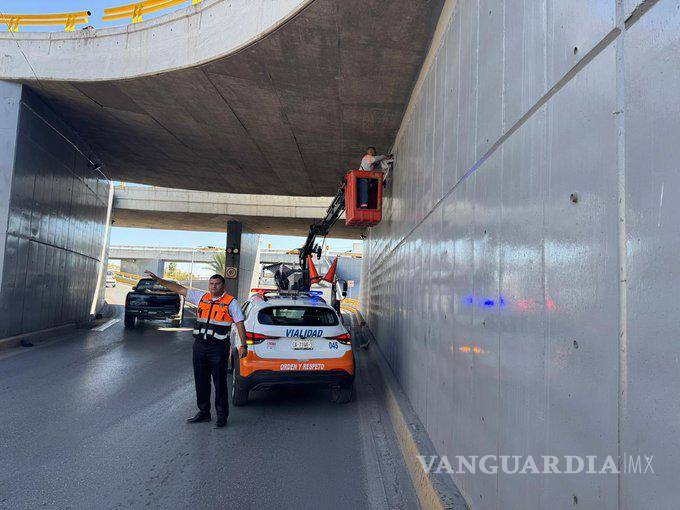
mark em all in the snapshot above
pixel 213 320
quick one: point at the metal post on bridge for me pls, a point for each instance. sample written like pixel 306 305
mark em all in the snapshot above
pixel 191 269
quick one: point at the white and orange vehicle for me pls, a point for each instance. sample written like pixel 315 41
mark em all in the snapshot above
pixel 293 338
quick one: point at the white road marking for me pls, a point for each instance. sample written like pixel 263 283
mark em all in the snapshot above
pixel 106 325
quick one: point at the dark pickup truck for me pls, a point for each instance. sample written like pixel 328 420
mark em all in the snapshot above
pixel 151 301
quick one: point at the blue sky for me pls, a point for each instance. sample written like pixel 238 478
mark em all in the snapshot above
pixel 96 7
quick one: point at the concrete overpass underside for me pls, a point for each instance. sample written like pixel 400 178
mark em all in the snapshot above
pixel 245 97
pixel 165 208
pixel 217 223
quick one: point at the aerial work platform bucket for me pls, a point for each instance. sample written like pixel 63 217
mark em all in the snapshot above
pixel 363 210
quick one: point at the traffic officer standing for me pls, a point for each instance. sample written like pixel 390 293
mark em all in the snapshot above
pixel 217 312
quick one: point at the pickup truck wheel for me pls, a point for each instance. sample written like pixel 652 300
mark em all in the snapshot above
pixel 130 320
pixel 239 396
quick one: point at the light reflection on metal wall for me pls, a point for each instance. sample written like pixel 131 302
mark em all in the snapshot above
pixel 250 244
pixel 56 224
pixel 493 284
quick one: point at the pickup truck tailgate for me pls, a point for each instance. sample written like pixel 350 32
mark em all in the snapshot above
pixel 154 301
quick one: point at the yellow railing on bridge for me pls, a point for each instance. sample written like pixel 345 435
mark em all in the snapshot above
pixel 137 10
pixel 353 306
pixel 350 305
pixel 130 278
pixel 68 19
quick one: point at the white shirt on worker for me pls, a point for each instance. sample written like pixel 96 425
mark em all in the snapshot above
pixel 368 161
pixel 194 296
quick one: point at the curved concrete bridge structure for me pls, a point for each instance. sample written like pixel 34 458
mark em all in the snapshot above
pixel 243 96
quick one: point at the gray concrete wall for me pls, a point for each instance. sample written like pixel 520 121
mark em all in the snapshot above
pixel 250 244
pixel 523 281
pixel 53 219
pixel 10 104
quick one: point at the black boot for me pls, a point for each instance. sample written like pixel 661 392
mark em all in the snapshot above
pixel 221 422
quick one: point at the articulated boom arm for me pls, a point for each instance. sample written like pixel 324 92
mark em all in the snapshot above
pixel 321 228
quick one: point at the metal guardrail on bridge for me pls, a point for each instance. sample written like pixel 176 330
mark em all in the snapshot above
pixel 135 11
pixel 130 278
pixel 68 19
pixel 353 306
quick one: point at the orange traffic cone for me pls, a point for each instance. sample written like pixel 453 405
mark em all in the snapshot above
pixel 313 275
pixel 330 275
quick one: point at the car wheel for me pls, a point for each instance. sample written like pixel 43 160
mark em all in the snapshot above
pixel 342 394
pixel 130 320
pixel 239 396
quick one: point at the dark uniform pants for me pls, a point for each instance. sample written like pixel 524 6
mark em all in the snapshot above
pixel 210 359
pixel 362 192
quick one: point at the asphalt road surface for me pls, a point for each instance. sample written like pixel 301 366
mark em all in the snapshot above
pixel 96 419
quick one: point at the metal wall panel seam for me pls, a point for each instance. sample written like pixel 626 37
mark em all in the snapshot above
pixel 556 88
pixel 622 242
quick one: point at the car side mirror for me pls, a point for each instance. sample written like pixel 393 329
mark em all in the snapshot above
pixel 134 288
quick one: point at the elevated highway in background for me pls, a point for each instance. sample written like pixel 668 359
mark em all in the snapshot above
pixel 168 254
pixel 175 209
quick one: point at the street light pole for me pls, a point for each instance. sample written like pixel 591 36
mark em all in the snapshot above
pixel 191 270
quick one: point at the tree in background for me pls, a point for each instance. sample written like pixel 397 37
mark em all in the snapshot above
pixel 174 273
pixel 219 263
pixel 171 270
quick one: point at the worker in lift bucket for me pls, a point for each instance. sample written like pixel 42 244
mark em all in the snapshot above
pixel 369 163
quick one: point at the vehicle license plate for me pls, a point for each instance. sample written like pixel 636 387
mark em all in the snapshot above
pixel 302 344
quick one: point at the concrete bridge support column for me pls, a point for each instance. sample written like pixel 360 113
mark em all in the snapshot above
pixel 242 250
pixel 53 211
pixel 234 230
